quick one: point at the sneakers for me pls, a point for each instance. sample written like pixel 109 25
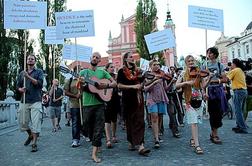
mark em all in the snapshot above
pixel 75 144
pixel 241 131
pixel 59 128
pixel 68 123
pixel 87 139
pixel 28 141
pixel 160 140
pixel 176 134
pixel 156 145
pixel 34 148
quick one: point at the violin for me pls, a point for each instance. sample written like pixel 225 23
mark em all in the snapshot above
pixel 196 72
pixel 160 74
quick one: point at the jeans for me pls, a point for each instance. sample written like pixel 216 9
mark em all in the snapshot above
pixel 239 103
pixel 76 123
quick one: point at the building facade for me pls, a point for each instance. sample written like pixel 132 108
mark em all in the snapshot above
pixel 125 42
pixel 241 47
pixel 221 44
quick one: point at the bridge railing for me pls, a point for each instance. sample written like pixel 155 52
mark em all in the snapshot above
pixel 8 111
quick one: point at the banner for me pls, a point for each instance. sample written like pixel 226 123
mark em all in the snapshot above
pixel 205 18
pixel 25 14
pixel 75 24
pixel 50 36
pixel 160 40
pixel 84 53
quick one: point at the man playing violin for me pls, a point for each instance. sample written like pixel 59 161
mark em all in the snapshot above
pixel 93 107
pixel 217 103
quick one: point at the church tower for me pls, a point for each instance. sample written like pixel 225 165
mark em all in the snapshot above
pixel 170 54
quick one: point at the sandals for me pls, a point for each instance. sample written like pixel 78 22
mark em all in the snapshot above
pixel 192 143
pixel 114 139
pixel 144 152
pixel 215 139
pixel 109 145
pixel 198 150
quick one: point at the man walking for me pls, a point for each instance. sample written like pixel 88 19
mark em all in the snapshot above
pixel 31 110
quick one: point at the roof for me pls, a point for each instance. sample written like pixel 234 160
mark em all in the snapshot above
pixel 249 26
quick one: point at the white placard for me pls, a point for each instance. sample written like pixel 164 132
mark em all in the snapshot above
pixel 50 36
pixel 160 40
pixel 84 53
pixel 144 64
pixel 165 69
pixel 25 14
pixel 75 24
pixel 205 18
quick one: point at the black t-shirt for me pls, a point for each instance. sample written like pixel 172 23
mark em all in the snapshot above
pixel 58 93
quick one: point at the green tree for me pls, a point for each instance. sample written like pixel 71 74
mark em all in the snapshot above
pixel 11 55
pixel 144 24
pixel 49 52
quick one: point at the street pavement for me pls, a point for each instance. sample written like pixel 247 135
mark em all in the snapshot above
pixel 55 149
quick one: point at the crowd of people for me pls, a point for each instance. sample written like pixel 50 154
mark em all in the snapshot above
pixel 98 96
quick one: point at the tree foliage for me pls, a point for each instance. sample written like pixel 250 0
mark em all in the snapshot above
pixel 144 24
pixel 49 52
pixel 11 54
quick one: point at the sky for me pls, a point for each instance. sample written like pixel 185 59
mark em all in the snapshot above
pixel 108 14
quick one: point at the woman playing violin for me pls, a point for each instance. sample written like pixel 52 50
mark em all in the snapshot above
pixel 130 82
pixel 191 85
pixel 157 99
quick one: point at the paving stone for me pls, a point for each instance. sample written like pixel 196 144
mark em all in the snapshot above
pixel 55 149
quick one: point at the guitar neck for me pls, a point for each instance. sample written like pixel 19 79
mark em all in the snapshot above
pixel 89 81
pixel 74 74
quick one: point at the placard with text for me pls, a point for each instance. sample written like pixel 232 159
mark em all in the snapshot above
pixel 50 36
pixel 83 53
pixel 75 24
pixel 160 40
pixel 25 14
pixel 205 18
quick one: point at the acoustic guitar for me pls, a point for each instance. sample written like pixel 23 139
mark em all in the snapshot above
pixel 92 83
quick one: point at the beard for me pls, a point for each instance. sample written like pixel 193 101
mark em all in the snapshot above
pixel 93 64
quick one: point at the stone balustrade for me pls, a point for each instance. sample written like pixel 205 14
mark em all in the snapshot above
pixel 8 111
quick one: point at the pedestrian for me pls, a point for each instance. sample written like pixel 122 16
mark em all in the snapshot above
pixel 129 81
pixel 56 96
pixel 31 111
pixel 177 96
pixel 239 87
pixel 74 107
pixel 217 102
pixel 67 110
pixel 172 105
pixel 157 99
pixel 191 86
pixel 113 107
pixel 93 106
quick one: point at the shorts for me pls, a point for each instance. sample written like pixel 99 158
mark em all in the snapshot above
pixel 30 113
pixel 55 112
pixel 160 108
